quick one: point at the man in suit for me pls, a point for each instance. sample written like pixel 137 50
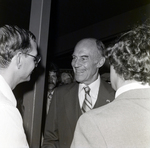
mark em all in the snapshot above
pixel 125 122
pixel 67 101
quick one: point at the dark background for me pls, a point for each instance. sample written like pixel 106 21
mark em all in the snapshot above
pixel 66 16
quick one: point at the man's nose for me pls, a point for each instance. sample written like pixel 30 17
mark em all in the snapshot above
pixel 77 63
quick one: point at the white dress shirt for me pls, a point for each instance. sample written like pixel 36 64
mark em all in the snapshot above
pixel 127 87
pixel 94 88
pixel 12 134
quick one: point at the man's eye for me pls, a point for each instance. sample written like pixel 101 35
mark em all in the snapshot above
pixel 83 59
pixel 73 58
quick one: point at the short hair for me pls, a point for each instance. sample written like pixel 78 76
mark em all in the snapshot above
pixel 100 47
pixel 130 56
pixel 12 40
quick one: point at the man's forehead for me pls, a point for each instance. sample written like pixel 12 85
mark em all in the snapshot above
pixel 84 51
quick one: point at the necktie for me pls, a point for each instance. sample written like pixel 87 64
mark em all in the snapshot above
pixel 87 104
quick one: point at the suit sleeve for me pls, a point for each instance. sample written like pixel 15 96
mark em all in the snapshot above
pixel 87 134
pixel 51 129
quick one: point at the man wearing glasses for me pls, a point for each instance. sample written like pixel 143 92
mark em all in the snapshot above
pixel 18 58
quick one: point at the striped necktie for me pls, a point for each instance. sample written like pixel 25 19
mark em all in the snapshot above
pixel 87 104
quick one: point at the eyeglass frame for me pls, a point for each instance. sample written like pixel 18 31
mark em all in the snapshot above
pixel 37 58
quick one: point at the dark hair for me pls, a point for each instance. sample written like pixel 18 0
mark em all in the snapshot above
pixel 130 56
pixel 12 40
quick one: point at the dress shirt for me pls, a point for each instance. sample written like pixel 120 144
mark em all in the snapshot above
pixel 12 134
pixel 127 87
pixel 94 87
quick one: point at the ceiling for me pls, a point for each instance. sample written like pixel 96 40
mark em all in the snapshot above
pixel 15 12
pixel 71 15
pixel 66 16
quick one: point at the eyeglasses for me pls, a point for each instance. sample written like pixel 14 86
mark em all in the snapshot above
pixel 37 59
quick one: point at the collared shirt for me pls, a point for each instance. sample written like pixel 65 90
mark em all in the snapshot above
pixel 12 134
pixel 127 87
pixel 94 88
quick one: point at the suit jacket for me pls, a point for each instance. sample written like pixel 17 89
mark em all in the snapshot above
pixel 64 112
pixel 124 123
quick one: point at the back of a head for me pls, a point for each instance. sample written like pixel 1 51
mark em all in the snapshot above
pixel 130 56
pixel 12 40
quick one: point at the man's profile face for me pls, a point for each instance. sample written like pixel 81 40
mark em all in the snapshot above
pixel 29 64
pixel 84 64
pixel 113 77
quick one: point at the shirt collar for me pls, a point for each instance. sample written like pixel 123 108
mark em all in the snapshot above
pixel 94 86
pixel 127 87
pixel 6 91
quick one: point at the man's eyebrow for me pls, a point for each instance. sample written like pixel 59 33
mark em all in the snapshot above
pixel 84 56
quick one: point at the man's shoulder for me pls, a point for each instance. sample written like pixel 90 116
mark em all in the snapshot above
pixel 102 112
pixel 107 86
pixel 105 83
pixel 67 87
pixel 4 101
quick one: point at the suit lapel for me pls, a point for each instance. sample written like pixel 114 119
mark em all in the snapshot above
pixel 71 102
pixel 72 106
pixel 105 95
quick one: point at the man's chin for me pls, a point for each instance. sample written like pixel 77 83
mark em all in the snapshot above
pixel 79 79
pixel 27 79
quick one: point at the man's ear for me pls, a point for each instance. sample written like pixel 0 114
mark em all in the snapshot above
pixel 19 59
pixel 101 62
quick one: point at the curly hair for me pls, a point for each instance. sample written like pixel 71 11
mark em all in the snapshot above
pixel 130 56
pixel 12 40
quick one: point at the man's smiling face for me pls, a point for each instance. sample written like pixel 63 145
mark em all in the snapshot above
pixel 84 63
